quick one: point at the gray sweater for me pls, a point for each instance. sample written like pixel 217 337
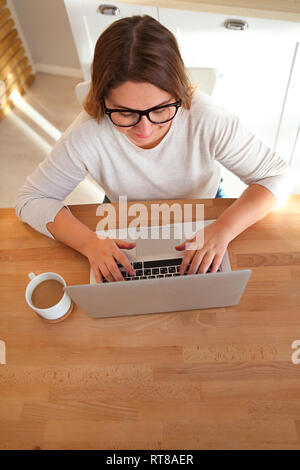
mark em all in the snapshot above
pixel 184 165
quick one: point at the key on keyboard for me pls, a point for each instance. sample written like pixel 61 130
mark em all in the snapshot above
pixel 154 269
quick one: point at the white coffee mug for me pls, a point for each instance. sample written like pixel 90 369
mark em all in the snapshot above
pixel 56 311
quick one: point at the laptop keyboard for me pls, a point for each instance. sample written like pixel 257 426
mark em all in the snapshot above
pixel 154 269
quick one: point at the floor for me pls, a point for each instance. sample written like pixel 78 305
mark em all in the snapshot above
pixel 29 132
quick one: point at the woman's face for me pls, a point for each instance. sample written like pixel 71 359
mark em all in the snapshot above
pixel 140 96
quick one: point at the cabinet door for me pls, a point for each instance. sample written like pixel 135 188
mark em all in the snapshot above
pixel 87 23
pixel 254 65
pixel 295 162
pixel 288 139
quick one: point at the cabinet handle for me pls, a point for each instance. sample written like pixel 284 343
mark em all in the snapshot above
pixel 109 10
pixel 239 25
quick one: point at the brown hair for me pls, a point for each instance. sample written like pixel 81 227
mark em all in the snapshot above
pixel 138 49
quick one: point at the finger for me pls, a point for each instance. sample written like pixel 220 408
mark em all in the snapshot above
pixel 106 273
pixel 122 259
pixel 114 270
pixel 97 274
pixel 124 244
pixel 205 263
pixel 182 246
pixel 216 263
pixel 196 261
pixel 186 261
pixel 195 243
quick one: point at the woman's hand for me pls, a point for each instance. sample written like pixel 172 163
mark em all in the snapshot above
pixel 103 255
pixel 212 251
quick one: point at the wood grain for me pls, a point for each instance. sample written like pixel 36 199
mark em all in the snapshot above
pixel 8 47
pixel 22 88
pixel 15 71
pixel 4 15
pixel 16 81
pixel 12 68
pixel 6 28
pixel 201 379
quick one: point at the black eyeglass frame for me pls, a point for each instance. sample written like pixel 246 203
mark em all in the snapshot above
pixel 146 112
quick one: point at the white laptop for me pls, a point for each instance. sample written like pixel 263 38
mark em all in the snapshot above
pixel 157 285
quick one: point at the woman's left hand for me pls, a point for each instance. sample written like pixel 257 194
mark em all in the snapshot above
pixel 211 252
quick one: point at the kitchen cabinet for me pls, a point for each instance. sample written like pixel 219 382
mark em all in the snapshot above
pixel 87 23
pixel 288 139
pixel 255 65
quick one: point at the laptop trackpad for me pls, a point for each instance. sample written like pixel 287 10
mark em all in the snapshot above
pixel 156 247
pixel 159 242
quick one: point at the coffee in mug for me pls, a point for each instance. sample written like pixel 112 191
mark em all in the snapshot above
pixel 47 293
pixel 46 296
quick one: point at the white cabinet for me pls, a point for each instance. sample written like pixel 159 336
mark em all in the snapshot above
pixel 295 162
pixel 254 65
pixel 87 23
pixel 289 130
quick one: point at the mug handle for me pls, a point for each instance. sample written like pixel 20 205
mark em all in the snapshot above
pixel 31 275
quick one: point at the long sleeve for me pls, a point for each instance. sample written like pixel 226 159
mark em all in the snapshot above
pixel 250 159
pixel 42 195
pixel 182 166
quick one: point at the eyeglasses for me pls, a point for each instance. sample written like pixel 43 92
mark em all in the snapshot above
pixel 131 117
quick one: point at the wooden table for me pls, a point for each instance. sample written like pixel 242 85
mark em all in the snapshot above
pixel 203 379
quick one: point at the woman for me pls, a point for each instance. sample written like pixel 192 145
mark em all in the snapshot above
pixel 145 134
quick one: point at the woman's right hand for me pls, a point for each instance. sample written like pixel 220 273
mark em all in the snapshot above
pixel 104 254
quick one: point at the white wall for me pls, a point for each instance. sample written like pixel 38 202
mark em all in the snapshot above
pixel 47 30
